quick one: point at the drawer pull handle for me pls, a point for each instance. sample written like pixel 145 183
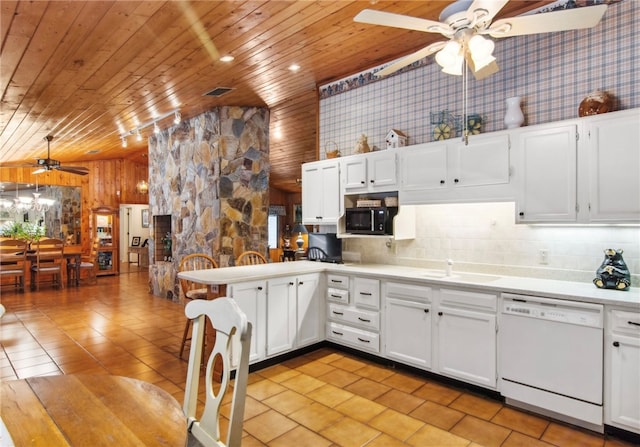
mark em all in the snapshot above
pixel 300 283
pixel 366 293
pixel 440 313
pixel 426 311
pixel 335 296
pixel 337 313
pixel 364 319
pixel 337 281
pixel 616 344
pixel 363 340
pixel 290 283
pixel 259 287
pixel 633 323
pixel 337 333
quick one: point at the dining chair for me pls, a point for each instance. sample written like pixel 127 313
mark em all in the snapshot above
pixel 13 254
pixel 48 261
pixel 233 339
pixel 193 290
pixel 251 258
pixel 88 263
pixel 316 254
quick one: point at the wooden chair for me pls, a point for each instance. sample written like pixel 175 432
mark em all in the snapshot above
pixel 88 263
pixel 232 330
pixel 192 290
pixel 48 261
pixel 316 254
pixel 251 258
pixel 13 253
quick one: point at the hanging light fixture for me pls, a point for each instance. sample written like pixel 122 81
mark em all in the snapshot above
pixel 481 50
pixel 450 58
pixel 39 205
pixel 142 187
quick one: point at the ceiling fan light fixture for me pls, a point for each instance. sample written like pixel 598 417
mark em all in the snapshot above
pixel 481 50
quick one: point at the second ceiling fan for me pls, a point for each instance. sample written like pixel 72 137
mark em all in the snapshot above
pixel 466 22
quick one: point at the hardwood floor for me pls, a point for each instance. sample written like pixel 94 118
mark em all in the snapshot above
pixel 324 398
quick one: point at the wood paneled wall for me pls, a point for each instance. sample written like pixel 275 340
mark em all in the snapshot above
pixel 109 183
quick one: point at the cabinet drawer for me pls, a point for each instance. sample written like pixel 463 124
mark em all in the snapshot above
pixel 339 295
pixel 364 340
pixel 349 315
pixel 625 322
pixel 337 281
pixel 472 300
pixel 408 291
pixel 366 293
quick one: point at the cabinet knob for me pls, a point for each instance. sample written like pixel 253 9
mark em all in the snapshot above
pixel 319 217
pixel 440 313
pixel 521 214
pixel 455 180
pixel 362 182
pixel 300 283
pixel 291 283
pixel 442 182
pixel 372 181
pixel 259 287
pixel 426 311
pixel 616 344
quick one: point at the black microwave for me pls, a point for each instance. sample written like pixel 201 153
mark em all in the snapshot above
pixel 377 220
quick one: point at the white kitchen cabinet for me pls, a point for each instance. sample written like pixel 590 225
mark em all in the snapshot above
pixel 613 151
pixel 321 198
pixel 310 309
pixel 482 162
pixel 366 292
pixel 252 299
pixel 466 336
pixel 622 369
pixel 371 172
pixel 408 324
pixel 547 174
pixel 424 167
pixel 281 315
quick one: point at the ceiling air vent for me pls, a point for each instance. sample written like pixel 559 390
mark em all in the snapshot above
pixel 218 91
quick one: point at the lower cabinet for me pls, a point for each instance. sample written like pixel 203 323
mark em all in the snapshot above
pixel 310 309
pixel 281 315
pixel 622 370
pixel 408 323
pixel 466 334
pixel 252 299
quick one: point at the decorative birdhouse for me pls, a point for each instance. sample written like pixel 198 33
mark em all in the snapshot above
pixel 396 138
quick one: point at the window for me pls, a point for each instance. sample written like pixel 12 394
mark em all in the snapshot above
pixel 272 225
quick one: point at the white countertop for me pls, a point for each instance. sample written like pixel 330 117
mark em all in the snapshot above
pixel 586 292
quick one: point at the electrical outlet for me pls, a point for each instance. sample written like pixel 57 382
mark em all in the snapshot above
pixel 544 256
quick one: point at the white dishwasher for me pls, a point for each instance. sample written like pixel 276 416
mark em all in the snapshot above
pixel 551 354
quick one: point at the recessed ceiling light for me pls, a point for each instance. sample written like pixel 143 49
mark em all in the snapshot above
pixel 294 67
pixel 227 58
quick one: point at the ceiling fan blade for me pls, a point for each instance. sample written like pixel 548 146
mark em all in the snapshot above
pixel 40 171
pixel 73 169
pixel 483 11
pixel 374 17
pixel 410 59
pixel 563 20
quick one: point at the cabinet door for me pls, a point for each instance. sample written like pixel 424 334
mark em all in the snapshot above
pixel 310 309
pixel 354 171
pixel 484 161
pixel 614 161
pixel 408 332
pixel 624 403
pixel 547 171
pixel 366 293
pixel 382 171
pixel 424 167
pixel 281 315
pixel 252 298
pixel 321 192
pixel 330 209
pixel 467 345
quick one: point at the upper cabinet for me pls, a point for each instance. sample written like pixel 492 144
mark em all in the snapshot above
pixel 371 172
pixel 321 198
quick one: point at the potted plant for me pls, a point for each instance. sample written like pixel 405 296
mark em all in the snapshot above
pixel 11 229
pixel 31 232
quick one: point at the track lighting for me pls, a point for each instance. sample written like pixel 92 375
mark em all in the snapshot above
pixel 138 135
pixel 156 128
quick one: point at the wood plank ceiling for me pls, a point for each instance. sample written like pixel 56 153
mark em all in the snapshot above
pixel 89 71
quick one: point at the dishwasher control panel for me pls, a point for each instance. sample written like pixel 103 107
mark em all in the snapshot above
pixel 583 314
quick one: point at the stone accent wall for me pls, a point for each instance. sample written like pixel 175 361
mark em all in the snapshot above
pixel 211 175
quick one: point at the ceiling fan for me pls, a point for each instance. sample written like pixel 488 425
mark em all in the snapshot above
pixel 466 22
pixel 49 164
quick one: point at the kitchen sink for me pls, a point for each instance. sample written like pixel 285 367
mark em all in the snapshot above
pixel 458 276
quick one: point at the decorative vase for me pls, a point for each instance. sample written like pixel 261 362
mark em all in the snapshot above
pixel 513 117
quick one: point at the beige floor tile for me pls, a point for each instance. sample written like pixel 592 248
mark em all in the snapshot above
pixel 480 431
pixel 375 372
pixel 329 395
pixel 400 401
pixel 564 436
pixel 430 436
pixel 384 440
pixel 316 416
pixel 404 382
pixel 300 437
pixel 520 421
pixel 348 364
pixel 360 408
pixel 396 424
pixel 482 407
pixel 268 426
pixel 367 388
pixel 348 432
pixel 303 383
pixel 339 378
pixel 287 402
pixel 516 439
pixel 438 415
pixel 316 368
pixel 263 389
pixel 437 393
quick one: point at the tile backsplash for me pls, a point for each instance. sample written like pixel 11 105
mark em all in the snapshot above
pixel 483 237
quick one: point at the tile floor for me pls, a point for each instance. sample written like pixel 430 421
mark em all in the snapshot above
pixel 324 398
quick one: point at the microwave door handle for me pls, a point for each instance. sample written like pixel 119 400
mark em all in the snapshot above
pixel 372 220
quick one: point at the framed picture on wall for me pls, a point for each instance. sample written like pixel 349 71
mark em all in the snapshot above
pixel 145 243
pixel 145 218
pixel 135 241
pixel 297 213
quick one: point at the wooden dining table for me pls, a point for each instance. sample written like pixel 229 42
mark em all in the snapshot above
pixel 90 410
